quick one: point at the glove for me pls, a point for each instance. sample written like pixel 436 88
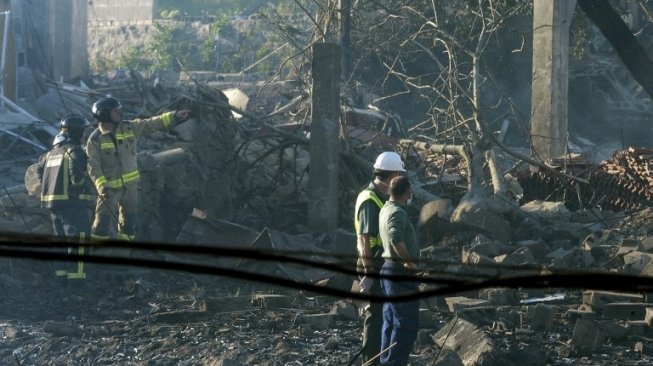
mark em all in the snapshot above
pixel 182 115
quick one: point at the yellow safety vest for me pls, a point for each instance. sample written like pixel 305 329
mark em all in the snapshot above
pixel 367 194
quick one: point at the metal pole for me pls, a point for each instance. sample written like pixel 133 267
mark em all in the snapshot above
pixel 5 37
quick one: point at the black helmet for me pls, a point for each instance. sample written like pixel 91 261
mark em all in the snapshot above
pixel 74 124
pixel 102 108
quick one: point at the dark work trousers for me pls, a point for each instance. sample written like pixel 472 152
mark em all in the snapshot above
pixel 400 319
pixel 71 224
pixel 373 321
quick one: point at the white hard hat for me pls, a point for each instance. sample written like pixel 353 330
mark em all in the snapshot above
pixel 389 161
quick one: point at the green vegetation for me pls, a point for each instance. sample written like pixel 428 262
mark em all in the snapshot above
pixel 204 7
pixel 175 44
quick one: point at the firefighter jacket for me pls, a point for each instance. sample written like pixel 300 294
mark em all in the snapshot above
pixel 64 182
pixel 112 159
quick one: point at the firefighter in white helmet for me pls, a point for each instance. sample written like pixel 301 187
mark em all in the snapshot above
pixel 366 222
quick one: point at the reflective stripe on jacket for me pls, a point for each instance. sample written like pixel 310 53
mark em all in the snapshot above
pixel 63 177
pixel 363 196
pixel 112 160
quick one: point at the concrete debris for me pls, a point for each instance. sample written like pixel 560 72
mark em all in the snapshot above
pixel 541 317
pixel 497 227
pixel 500 296
pixel 588 337
pixel 473 345
pixel 461 302
pixel 229 184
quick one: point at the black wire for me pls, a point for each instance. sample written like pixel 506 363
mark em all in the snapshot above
pixel 580 280
pixel 231 252
pixel 295 257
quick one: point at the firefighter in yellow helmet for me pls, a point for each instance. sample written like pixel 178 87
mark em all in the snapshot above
pixel 112 165
pixel 366 222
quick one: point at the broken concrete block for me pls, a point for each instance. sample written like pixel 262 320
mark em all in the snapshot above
pixel 435 209
pixel 485 248
pixel 572 315
pixel 345 310
pixel 627 246
pixel 636 261
pixel 460 302
pixel 541 316
pixel 564 255
pixel 318 321
pixel 270 301
pixel 537 247
pixel 500 296
pixel 472 344
pixel 479 315
pixel 546 209
pixel 575 230
pixel 587 338
pixel 614 331
pixel 598 299
pixel 646 245
pixel 626 310
pixel 522 256
pixel 637 327
pixel 32 181
pixel 497 227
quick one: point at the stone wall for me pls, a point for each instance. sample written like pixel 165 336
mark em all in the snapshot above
pixel 124 10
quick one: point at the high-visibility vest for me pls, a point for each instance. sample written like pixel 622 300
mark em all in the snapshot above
pixel 365 195
pixel 57 187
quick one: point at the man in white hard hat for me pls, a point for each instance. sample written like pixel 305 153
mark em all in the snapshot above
pixel 366 222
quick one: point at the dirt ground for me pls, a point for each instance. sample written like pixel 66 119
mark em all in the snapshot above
pixel 137 316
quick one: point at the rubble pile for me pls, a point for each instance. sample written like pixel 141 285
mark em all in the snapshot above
pixel 628 176
pixel 135 315
pixel 620 183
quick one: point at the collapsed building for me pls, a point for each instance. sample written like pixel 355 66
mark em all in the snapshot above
pixel 237 177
